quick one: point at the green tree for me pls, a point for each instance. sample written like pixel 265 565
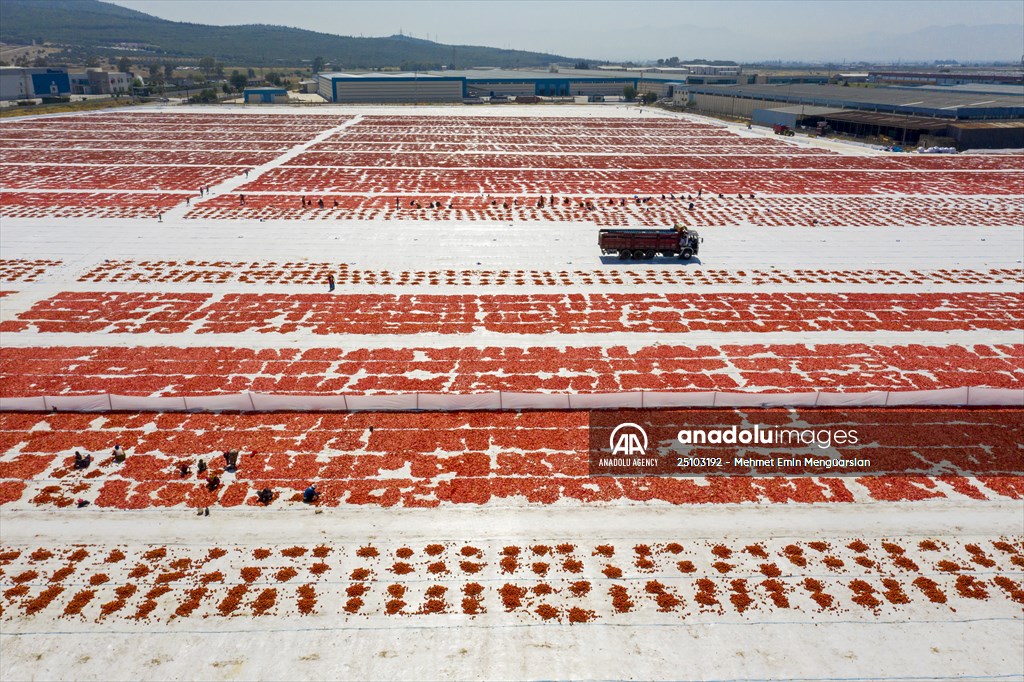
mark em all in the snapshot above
pixel 207 64
pixel 273 77
pixel 251 73
pixel 169 70
pixel 40 61
pixel 629 92
pixel 238 80
pixel 207 95
pixel 318 64
pixel 124 65
pixel 92 62
pixel 649 98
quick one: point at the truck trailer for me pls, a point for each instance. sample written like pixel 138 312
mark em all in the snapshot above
pixel 644 244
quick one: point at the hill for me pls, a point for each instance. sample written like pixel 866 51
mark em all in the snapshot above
pixel 99 28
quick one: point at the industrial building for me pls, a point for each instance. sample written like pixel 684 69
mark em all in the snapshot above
pixel 265 96
pixel 741 100
pixel 987 134
pixel 454 86
pixel 386 87
pixel 905 114
pixel 26 83
pixel 683 69
pixel 946 77
pixel 98 82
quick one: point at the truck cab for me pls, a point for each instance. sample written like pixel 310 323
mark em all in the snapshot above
pixel 689 244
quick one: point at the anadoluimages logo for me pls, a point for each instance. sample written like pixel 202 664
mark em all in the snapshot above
pixel 628 439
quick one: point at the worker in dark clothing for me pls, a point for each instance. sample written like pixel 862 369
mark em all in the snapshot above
pixel 310 494
pixel 265 496
pixel 330 282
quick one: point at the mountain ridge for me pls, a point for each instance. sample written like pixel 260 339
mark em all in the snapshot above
pixel 98 27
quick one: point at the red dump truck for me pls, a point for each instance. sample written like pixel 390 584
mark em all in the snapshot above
pixel 642 244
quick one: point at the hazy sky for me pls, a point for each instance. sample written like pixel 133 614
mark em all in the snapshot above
pixel 835 30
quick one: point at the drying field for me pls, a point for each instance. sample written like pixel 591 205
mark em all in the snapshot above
pixel 155 255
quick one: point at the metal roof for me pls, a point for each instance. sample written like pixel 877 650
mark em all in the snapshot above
pixel 377 75
pixel 806 110
pixel 985 88
pixel 487 74
pixel 1000 76
pixel 987 124
pixel 889 120
pixel 578 74
pixel 929 102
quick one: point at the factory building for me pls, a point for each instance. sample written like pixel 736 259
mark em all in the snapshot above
pixel 987 134
pixel 791 117
pixel 454 86
pixel 542 84
pixel 379 87
pixel 265 96
pixel 946 77
pixel 99 82
pixel 711 70
pixel 970 119
pixel 26 83
pixel 741 100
